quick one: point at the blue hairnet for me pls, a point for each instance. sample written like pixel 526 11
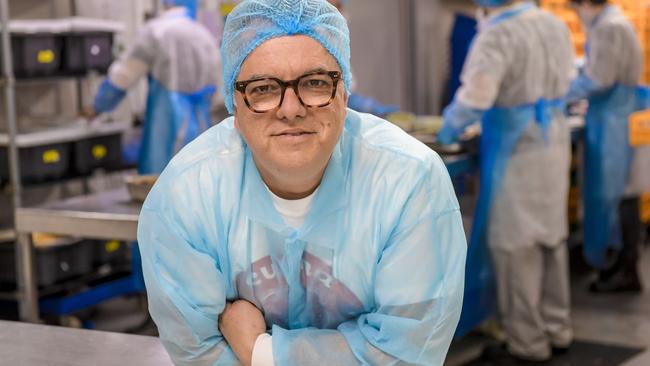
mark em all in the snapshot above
pixel 491 3
pixel 253 22
pixel 191 5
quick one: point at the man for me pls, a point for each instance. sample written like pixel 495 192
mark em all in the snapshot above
pixel 331 230
pixel 609 82
pixel 519 66
pixel 180 57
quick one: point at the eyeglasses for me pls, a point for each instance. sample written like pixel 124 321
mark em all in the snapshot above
pixel 315 89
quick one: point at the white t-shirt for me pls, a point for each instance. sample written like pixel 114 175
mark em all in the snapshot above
pixel 293 212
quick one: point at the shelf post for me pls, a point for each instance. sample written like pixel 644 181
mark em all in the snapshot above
pixel 26 282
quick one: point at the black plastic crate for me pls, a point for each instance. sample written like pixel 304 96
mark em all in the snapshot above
pixel 111 252
pixel 38 163
pixel 97 152
pixel 36 54
pixel 6 212
pixel 52 264
pixel 83 52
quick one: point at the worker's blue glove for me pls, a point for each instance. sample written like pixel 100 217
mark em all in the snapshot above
pixel 108 97
pixel 365 104
pixel 457 117
pixel 582 87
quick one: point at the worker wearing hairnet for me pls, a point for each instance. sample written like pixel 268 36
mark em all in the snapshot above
pixel 299 232
pixel 612 184
pixel 180 58
pixel 518 67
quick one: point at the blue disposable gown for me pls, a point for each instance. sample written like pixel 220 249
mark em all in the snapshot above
pixel 373 276
pixel 612 167
pixel 518 67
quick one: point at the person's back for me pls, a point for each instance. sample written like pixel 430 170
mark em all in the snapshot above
pixel 614 53
pixel 519 68
pixel 530 58
pixel 173 35
pixel 180 59
pixel 614 63
pixel 533 57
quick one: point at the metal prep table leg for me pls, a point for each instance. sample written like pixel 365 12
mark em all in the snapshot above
pixel 27 289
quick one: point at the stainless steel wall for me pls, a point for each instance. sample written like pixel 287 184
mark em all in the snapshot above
pixel 400 51
pixel 376 49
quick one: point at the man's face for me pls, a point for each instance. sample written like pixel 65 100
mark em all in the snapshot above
pixel 292 137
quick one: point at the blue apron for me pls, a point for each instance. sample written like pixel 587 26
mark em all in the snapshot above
pixel 608 157
pixel 172 120
pixel 501 129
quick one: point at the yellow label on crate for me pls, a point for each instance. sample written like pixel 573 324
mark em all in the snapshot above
pixel 51 156
pixel 99 152
pixel 45 56
pixel 645 208
pixel 640 128
pixel 112 246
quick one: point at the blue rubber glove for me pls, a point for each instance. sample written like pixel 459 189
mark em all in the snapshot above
pixel 365 104
pixel 457 117
pixel 582 87
pixel 108 97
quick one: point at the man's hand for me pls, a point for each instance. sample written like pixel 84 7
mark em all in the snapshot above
pixel 241 323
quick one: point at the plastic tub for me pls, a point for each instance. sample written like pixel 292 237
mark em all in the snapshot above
pixel 36 47
pixel 89 44
pixel 39 163
pixel 97 152
pixel 55 262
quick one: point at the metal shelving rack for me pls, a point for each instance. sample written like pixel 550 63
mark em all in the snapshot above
pixel 26 292
pixel 26 286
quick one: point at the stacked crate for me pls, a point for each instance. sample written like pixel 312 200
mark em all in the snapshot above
pixel 637 11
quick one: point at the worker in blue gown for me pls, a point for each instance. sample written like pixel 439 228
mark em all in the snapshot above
pixel 300 232
pixel 615 173
pixel 518 68
pixel 179 57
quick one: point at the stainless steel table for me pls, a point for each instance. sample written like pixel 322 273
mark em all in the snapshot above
pixel 27 344
pixel 106 215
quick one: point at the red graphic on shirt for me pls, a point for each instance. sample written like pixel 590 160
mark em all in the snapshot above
pixel 327 302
